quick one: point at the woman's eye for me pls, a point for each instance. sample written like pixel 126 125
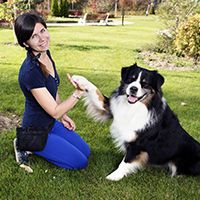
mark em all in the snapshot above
pixel 33 37
pixel 43 30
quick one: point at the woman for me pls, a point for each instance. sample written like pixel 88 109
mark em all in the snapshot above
pixel 39 83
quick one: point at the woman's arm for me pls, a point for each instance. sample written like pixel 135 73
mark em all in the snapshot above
pixel 66 120
pixel 58 100
pixel 53 107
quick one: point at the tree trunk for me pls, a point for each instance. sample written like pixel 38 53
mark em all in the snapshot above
pixel 116 1
pixel 123 13
pixel 122 3
pixel 12 23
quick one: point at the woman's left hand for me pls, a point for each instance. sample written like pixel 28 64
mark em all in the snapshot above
pixel 68 122
pixel 75 84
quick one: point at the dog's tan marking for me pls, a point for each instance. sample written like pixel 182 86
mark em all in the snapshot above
pixel 100 96
pixel 148 98
pixel 142 158
pixel 101 99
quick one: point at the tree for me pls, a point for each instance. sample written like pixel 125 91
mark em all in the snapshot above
pixel 122 4
pixel 131 5
pixel 100 5
pixel 55 8
pixel 116 2
pixel 10 10
pixel 174 13
pixel 64 8
pixel 78 4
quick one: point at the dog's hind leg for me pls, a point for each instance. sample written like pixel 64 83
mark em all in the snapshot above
pixel 125 168
pixel 196 169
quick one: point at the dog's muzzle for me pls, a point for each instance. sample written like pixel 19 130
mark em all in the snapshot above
pixel 133 99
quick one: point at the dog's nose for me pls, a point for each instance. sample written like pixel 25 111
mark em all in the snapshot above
pixel 133 89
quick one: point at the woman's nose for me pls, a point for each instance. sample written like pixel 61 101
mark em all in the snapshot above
pixel 41 37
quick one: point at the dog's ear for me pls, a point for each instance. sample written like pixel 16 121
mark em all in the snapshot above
pixel 124 72
pixel 135 64
pixel 160 79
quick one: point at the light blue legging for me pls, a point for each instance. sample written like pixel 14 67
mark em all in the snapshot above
pixel 65 148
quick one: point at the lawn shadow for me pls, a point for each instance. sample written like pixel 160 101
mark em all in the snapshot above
pixel 80 47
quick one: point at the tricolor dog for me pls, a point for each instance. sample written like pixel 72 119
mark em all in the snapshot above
pixel 143 125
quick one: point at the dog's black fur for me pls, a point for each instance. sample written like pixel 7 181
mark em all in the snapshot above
pixel 165 140
pixel 160 140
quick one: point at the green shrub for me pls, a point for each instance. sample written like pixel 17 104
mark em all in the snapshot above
pixel 187 39
pixel 64 8
pixel 54 8
pixel 173 13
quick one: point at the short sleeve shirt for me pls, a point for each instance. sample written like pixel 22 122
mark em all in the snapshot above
pixel 31 77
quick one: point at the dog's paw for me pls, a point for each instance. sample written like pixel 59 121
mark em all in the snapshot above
pixel 82 82
pixel 115 176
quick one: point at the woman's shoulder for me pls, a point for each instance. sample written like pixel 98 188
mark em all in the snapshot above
pixel 30 70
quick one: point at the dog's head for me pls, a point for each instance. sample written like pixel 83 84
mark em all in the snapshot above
pixel 139 83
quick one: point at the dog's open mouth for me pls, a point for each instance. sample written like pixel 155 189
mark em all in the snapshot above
pixel 133 99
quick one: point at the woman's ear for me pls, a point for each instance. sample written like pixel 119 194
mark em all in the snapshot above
pixel 26 45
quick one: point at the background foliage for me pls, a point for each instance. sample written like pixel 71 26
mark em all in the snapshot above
pixel 174 14
pixel 188 37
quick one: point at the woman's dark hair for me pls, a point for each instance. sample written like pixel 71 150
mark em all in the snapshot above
pixel 24 26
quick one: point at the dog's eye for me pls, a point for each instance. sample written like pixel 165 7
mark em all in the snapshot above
pixel 144 83
pixel 129 80
pixel 133 77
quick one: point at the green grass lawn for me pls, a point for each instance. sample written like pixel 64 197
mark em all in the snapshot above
pixel 97 52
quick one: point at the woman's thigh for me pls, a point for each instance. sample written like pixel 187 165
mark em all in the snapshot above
pixel 63 154
pixel 72 137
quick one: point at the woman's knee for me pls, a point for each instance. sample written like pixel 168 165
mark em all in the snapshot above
pixel 81 163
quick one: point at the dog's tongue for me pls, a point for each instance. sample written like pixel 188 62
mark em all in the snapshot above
pixel 132 99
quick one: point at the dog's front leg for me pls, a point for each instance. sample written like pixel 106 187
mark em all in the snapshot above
pixel 97 105
pixel 127 167
pixel 123 170
pixel 93 96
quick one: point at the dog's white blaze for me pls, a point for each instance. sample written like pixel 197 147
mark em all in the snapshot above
pixel 127 119
pixel 137 85
pixel 124 169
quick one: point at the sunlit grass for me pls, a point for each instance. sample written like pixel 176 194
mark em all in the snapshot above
pixel 97 52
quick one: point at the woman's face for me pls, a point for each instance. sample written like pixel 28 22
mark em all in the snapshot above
pixel 40 38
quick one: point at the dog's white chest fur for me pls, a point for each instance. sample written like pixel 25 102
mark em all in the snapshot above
pixel 127 119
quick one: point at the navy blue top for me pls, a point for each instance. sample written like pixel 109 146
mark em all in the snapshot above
pixel 31 76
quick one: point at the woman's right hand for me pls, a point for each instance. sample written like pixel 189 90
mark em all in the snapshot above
pixel 68 122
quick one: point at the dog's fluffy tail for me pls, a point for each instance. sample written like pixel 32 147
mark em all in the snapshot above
pixel 97 105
